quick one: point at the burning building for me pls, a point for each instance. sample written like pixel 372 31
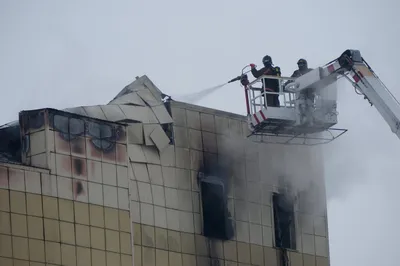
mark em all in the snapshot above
pixel 144 182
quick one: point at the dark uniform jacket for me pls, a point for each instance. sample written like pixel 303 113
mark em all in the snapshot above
pixel 272 84
pixel 298 72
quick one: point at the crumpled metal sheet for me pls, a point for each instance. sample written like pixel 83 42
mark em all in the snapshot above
pixel 130 98
pixel 162 114
pixel 113 113
pixel 147 129
pixel 136 85
pixel 135 133
pixel 152 87
pixel 95 112
pixel 160 139
pixel 139 113
pixel 148 97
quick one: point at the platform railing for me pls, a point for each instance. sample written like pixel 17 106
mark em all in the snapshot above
pixel 257 94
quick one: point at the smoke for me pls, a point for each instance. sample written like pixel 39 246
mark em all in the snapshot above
pixel 295 170
pixel 197 96
pixel 251 171
pixel 303 175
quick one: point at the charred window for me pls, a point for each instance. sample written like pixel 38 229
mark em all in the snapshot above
pixel 10 143
pixel 168 128
pixel 216 221
pixel 285 234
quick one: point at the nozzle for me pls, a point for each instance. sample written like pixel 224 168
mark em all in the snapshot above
pixel 235 79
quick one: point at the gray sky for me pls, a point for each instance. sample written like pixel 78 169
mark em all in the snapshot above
pixel 69 53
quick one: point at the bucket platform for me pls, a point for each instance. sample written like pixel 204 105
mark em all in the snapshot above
pixel 304 116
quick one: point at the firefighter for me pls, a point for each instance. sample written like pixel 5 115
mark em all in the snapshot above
pixel 303 68
pixel 305 98
pixel 271 85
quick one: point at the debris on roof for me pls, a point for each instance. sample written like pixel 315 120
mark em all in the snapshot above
pixel 139 106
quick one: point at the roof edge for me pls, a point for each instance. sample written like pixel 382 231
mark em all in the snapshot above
pixel 208 110
pixel 141 81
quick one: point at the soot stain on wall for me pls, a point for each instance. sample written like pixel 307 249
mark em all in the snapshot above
pixel 78 189
pixel 214 181
pixel 77 146
pixel 78 166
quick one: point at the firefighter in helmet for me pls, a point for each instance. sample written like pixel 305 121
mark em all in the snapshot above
pixel 303 68
pixel 271 85
pixel 305 98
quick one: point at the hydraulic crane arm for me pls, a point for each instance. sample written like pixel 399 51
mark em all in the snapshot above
pixel 308 103
pixel 368 83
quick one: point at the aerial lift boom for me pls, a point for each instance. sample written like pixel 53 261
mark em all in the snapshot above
pixel 308 103
pixel 372 87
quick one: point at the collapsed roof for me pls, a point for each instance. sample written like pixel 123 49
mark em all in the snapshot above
pixel 139 105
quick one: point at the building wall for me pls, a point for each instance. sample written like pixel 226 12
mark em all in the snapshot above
pixel 75 212
pixel 168 224
pixel 124 201
pixel 40 225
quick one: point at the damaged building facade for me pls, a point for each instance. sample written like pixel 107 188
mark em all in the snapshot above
pixel 143 182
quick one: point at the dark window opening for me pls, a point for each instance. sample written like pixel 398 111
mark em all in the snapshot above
pixel 168 129
pixel 284 219
pixel 71 126
pixel 216 221
pixel 10 144
pixel 167 105
pixel 34 119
